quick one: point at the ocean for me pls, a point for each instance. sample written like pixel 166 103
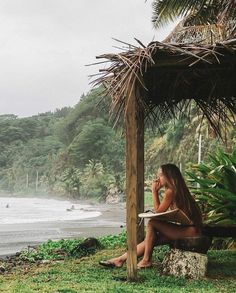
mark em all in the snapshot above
pixel 29 221
pixel 15 210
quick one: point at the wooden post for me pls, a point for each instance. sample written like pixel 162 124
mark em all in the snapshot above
pixel 134 180
pixel 140 174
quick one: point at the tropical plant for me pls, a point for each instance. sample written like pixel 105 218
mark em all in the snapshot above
pixel 71 180
pixel 96 180
pixel 216 188
pixel 201 11
pixel 90 143
pixel 203 20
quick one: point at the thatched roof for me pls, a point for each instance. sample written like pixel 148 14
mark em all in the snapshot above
pixel 200 34
pixel 167 76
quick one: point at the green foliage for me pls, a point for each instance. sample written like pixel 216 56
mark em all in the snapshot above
pixel 94 148
pixel 71 181
pixel 91 143
pixel 77 152
pixel 85 275
pixel 113 241
pixel 217 187
pixel 64 148
pixel 202 12
pixel 89 108
pixel 95 180
pixel 175 131
pixel 53 250
pixel 28 146
pixel 179 143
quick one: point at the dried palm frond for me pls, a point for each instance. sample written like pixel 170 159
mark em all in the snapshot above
pixel 163 73
pixel 200 34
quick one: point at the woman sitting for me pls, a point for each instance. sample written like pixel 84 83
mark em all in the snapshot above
pixel 176 195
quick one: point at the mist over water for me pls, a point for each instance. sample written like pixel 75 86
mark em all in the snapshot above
pixel 14 210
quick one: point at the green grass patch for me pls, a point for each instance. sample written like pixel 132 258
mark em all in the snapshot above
pixel 57 250
pixel 84 274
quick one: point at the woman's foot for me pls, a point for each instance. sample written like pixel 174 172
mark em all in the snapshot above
pixel 112 263
pixel 144 264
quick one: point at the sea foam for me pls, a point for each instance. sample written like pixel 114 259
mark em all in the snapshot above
pixel 15 210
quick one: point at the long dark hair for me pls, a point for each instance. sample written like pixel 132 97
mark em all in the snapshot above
pixel 183 198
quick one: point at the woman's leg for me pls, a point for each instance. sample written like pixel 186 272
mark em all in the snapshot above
pixel 150 241
pixel 158 232
pixel 119 261
pixel 165 230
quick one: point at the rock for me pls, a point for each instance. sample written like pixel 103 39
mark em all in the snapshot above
pixel 2 269
pixel 87 245
pixel 185 264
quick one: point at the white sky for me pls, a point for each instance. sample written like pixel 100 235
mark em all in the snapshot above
pixel 45 45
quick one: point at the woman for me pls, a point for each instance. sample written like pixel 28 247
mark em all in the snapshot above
pixel 176 195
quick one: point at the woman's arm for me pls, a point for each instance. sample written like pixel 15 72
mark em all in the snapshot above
pixel 156 186
pixel 163 206
pixel 166 202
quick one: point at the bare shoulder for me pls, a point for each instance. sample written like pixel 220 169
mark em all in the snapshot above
pixel 169 194
pixel 167 201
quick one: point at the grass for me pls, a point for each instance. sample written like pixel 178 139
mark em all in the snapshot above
pixel 84 274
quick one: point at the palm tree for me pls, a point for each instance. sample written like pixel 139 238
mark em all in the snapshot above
pixel 214 19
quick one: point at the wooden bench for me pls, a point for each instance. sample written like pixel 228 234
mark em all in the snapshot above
pixel 214 230
pixel 188 257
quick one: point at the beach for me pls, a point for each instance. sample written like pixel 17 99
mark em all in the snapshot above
pixel 97 220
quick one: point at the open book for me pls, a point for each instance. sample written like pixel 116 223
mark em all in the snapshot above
pixel 175 216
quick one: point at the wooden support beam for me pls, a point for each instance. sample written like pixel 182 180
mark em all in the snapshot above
pixel 140 173
pixel 134 180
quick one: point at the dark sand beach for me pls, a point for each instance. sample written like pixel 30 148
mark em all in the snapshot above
pixel 15 237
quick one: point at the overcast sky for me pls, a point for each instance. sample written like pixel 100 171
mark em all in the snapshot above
pixel 45 45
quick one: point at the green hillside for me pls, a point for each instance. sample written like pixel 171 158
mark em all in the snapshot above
pixel 76 151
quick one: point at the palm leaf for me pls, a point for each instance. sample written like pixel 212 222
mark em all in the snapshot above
pixel 204 20
pixel 217 190
pixel 225 221
pixel 199 11
pixel 202 181
pixel 220 192
pixel 229 179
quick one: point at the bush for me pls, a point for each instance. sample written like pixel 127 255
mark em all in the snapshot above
pixel 217 187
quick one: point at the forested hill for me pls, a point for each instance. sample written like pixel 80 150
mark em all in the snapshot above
pixel 76 151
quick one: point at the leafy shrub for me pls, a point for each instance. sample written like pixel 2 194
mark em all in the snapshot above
pixel 217 187
pixel 55 250
pixel 51 250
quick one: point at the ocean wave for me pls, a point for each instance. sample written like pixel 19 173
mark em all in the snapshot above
pixel 15 210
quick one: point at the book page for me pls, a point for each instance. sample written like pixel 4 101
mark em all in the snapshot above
pixel 175 216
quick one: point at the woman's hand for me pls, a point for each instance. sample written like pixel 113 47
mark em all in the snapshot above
pixel 156 185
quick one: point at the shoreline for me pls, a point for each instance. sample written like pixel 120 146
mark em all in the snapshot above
pixel 16 237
